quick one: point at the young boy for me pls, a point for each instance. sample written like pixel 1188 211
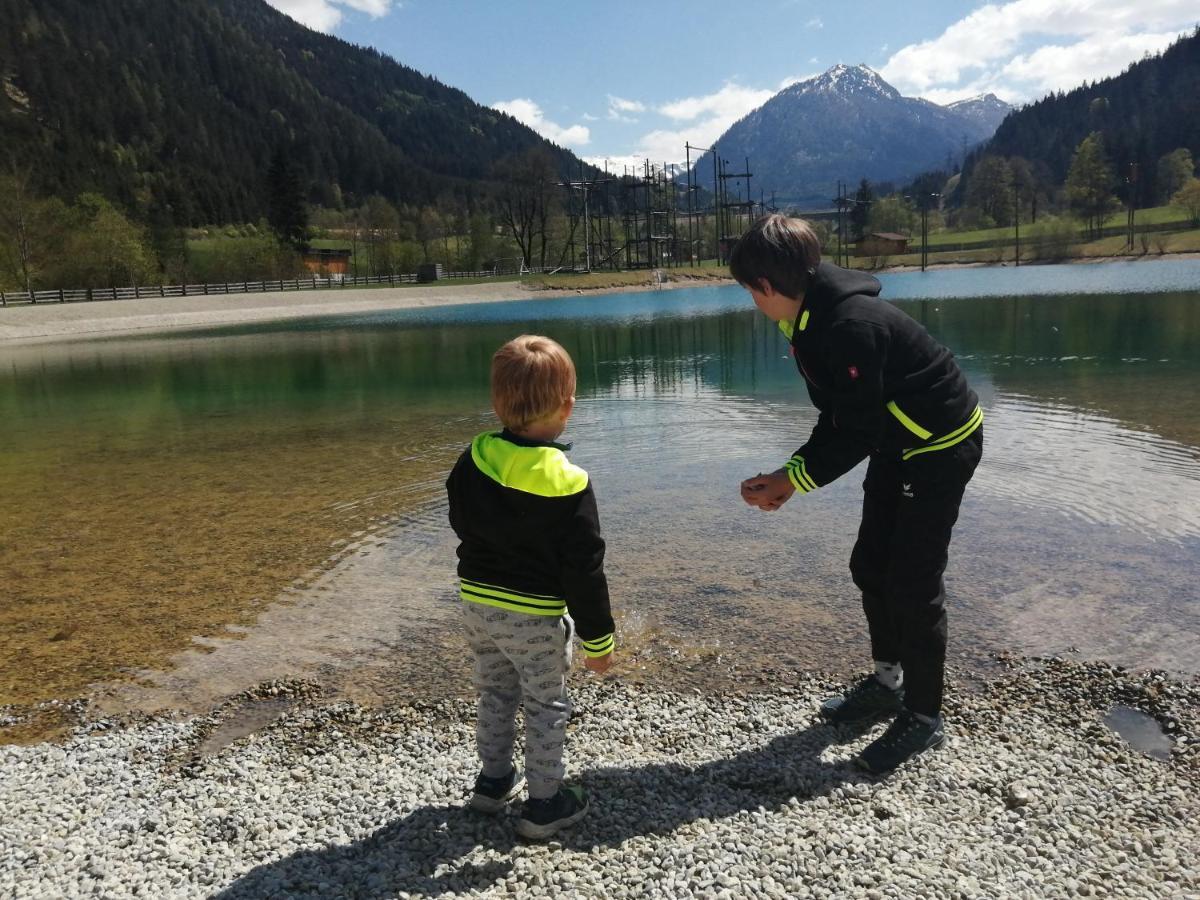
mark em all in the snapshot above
pixel 887 391
pixel 530 553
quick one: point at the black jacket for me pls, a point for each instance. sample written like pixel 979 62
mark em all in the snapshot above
pixel 879 381
pixel 530 534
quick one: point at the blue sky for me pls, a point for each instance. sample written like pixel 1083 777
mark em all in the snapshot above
pixel 624 81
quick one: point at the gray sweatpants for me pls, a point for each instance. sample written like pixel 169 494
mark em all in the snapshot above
pixel 519 657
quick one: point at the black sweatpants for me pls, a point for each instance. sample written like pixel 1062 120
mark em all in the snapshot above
pixel 909 511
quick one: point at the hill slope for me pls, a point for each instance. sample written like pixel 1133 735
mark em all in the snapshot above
pixel 183 102
pixel 1147 111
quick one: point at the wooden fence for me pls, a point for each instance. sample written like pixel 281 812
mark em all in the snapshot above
pixel 314 283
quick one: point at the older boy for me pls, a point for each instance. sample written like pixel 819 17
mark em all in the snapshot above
pixel 530 552
pixel 887 391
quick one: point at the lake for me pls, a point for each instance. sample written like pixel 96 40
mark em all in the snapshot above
pixel 185 515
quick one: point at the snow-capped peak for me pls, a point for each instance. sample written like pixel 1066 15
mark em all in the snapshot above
pixel 847 81
pixel 981 100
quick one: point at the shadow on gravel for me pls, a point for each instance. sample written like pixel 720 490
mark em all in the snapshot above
pixel 405 855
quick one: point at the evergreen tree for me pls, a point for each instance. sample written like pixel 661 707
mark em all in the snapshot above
pixel 287 212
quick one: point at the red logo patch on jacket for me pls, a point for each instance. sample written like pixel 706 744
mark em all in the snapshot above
pixel 854 371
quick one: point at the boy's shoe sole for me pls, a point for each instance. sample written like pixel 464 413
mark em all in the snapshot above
pixel 485 804
pixel 535 832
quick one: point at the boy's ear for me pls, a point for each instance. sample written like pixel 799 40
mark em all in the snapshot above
pixel 765 287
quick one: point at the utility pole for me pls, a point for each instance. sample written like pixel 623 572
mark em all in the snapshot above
pixel 1131 181
pixel 1017 221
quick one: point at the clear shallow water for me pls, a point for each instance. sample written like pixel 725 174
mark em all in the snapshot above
pixel 163 489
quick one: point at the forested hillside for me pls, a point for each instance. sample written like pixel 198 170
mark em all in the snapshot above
pixel 180 105
pixel 1150 110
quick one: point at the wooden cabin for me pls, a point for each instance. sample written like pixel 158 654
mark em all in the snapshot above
pixel 881 243
pixel 326 261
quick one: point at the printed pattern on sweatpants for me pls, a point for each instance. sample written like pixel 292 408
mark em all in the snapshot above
pixel 521 658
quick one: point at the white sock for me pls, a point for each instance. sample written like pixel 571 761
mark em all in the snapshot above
pixel 890 675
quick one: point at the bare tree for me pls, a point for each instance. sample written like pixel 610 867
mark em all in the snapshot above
pixel 527 200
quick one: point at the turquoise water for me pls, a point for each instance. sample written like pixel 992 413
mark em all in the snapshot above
pixel 1080 533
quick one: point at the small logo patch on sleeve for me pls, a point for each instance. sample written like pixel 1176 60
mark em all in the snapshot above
pixel 854 372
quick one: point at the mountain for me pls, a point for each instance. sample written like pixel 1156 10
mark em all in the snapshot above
pixel 182 104
pixel 848 123
pixel 1146 112
pixel 987 109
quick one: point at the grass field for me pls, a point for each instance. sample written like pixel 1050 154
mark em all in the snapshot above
pixel 1173 242
pixel 1155 215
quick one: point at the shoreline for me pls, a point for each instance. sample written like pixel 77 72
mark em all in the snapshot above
pixel 695 794
pixel 49 322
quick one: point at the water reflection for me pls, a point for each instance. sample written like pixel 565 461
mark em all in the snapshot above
pixel 159 489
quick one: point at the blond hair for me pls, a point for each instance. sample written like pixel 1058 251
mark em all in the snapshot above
pixel 532 377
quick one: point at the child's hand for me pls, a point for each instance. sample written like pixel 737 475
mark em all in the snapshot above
pixel 599 664
pixel 768 492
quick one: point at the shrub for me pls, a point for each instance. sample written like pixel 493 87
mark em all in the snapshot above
pixel 1050 239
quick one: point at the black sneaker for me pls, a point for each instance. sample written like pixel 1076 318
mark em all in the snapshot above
pixel 493 794
pixel 905 738
pixel 542 818
pixel 869 699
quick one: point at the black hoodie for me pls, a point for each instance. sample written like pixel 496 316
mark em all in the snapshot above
pixel 880 382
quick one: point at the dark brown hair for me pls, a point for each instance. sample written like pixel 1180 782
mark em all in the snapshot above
pixel 783 250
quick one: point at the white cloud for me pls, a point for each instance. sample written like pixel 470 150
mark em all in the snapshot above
pixel 619 109
pixel 326 15
pixel 1052 67
pixel 998 46
pixel 529 113
pixel 707 118
pixel 814 23
pixel 731 102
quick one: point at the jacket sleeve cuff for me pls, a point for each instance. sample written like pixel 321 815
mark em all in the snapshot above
pixel 797 474
pixel 601 646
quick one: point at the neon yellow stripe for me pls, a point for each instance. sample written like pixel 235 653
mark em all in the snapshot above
pixel 804 320
pixel 599 647
pixel 511 607
pixel 787 329
pixel 796 464
pixel 511 596
pixel 957 436
pixel 794 478
pixel 908 423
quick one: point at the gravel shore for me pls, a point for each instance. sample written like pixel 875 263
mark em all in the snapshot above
pixel 108 318
pixel 695 795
